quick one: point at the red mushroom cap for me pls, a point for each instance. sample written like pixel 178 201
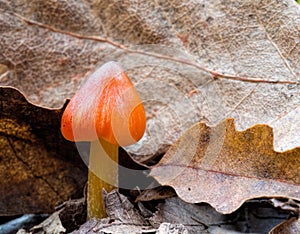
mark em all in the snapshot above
pixel 107 106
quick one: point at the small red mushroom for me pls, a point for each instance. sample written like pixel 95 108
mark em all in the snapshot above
pixel 108 112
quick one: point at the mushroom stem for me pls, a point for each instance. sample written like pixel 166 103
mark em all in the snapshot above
pixel 103 174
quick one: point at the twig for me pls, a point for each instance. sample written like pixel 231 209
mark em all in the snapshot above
pixel 214 74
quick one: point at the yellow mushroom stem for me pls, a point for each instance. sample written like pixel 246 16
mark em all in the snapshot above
pixel 103 174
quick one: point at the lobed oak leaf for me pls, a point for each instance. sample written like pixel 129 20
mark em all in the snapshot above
pixel 225 167
pixel 233 58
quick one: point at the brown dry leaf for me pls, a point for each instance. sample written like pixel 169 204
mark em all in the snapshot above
pixel 66 219
pixel 123 217
pixel 118 207
pixel 51 225
pixel 291 226
pixel 287 204
pixel 47 47
pixel 156 193
pixel 225 167
pixel 195 218
pixel 253 217
pixel 72 213
pixel 168 228
pixel 38 168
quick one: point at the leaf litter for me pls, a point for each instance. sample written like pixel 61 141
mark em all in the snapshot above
pixel 232 59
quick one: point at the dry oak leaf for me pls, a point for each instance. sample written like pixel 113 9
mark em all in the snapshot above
pixel 47 48
pixel 225 167
pixel 38 168
pixel 291 226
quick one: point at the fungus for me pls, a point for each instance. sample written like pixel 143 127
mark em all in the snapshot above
pixel 108 112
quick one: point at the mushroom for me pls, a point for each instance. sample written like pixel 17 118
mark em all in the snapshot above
pixel 108 112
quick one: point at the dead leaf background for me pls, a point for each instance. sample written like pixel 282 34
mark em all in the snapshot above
pixel 47 48
pixel 207 60
pixel 202 217
pixel 38 169
pixel 173 214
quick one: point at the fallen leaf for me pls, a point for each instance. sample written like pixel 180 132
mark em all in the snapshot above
pixel 118 227
pixel 72 213
pixel 38 168
pixel 253 217
pixel 51 225
pixel 225 167
pixel 88 227
pixel 177 215
pixel 118 207
pixel 208 59
pixel 168 228
pixel 291 226
pixel 156 193
pixel 287 204
pixel 123 217
pixel 194 218
pixel 68 217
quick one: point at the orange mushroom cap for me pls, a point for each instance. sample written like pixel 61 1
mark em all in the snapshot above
pixel 107 106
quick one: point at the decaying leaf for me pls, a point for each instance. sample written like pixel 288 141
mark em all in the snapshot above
pixel 252 217
pixel 291 226
pixel 224 167
pixel 194 218
pixel 118 207
pixel 51 225
pixel 72 213
pixel 123 217
pixel 48 47
pixel 68 217
pixel 38 168
pixel 287 204
pixel 157 193
pixel 168 228
pixel 175 215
